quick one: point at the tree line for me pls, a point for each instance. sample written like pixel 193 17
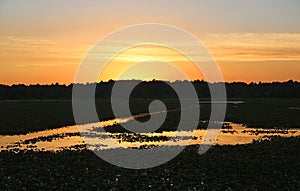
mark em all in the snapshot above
pixel 153 89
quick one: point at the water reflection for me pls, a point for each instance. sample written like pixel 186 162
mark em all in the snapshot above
pixel 70 138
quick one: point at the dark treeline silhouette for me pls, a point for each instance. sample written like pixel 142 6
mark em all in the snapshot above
pixel 153 89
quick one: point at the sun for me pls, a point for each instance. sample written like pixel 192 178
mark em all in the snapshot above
pixel 149 61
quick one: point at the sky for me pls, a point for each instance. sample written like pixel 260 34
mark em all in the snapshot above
pixel 252 40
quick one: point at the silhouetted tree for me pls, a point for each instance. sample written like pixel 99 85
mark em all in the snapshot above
pixel 153 89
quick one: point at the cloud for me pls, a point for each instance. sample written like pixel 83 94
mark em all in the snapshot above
pixel 47 65
pixel 15 41
pixel 254 46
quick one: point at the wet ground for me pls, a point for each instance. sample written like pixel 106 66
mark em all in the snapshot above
pixel 92 136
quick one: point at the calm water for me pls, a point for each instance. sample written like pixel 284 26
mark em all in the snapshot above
pixel 69 137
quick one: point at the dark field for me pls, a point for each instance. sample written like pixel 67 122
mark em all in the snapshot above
pixel 265 165
pixel 19 117
pixel 266 113
pixel 268 165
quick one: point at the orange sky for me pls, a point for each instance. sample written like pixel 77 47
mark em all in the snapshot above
pixel 241 57
pixel 45 44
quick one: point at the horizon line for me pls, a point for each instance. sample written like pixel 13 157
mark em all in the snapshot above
pixel 153 80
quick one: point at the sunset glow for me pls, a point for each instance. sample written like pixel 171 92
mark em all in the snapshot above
pixel 38 46
pixel 149 62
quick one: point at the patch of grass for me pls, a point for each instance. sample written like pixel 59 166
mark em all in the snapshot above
pixel 266 113
pixel 28 116
pixel 20 117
